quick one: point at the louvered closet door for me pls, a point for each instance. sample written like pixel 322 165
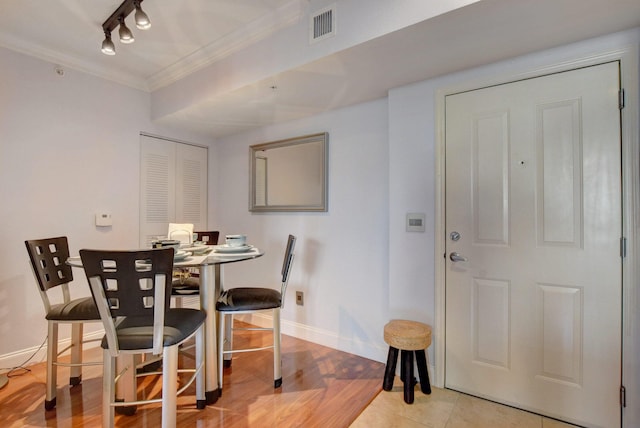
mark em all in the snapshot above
pixel 173 186
pixel 191 185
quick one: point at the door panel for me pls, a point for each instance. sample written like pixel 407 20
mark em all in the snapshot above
pixel 173 186
pixel 533 186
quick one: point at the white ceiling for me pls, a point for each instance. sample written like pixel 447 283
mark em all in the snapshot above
pixel 188 34
pixel 69 32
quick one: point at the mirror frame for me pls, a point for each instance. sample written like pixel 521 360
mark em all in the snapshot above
pixel 323 138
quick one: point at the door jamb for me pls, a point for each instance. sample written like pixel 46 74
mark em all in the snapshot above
pixel 628 58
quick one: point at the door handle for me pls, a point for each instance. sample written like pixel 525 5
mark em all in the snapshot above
pixel 455 257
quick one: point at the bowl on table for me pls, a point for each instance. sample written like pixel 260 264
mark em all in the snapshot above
pixel 236 240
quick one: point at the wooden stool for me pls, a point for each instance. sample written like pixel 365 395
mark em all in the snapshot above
pixel 410 337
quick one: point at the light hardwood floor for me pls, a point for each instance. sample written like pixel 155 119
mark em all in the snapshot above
pixel 322 387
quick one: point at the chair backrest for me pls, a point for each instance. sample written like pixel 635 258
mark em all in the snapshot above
pixel 286 265
pixel 130 284
pixel 209 238
pixel 182 232
pixel 288 258
pixel 48 259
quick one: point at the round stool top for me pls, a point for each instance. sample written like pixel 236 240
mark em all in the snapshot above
pixel 407 335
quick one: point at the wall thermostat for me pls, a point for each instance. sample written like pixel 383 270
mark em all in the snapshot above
pixel 415 222
pixel 103 219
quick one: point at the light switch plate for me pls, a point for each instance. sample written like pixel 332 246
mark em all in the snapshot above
pixel 415 222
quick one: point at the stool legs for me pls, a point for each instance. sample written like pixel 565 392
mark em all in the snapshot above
pixel 390 369
pixel 421 360
pixel 406 375
pixel 406 372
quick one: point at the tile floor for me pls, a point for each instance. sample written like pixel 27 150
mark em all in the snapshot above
pixel 445 409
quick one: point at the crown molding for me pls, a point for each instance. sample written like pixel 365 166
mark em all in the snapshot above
pixel 72 62
pixel 279 18
pixel 284 16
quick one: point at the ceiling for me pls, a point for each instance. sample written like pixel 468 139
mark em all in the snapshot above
pixel 69 32
pixel 189 34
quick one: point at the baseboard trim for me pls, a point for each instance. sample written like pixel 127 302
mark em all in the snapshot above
pixel 326 338
pixel 320 336
pixel 38 354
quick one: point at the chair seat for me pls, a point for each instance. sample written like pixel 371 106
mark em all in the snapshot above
pixel 82 309
pixel 247 298
pixel 407 335
pixel 137 332
pixel 190 285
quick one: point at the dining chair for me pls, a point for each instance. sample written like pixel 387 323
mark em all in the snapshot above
pixel 131 290
pixel 187 282
pixel 48 261
pixel 248 300
pixel 207 238
pixel 182 232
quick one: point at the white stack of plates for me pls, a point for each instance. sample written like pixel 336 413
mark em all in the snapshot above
pixel 228 249
pixel 181 255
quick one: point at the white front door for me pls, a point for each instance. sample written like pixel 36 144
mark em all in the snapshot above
pixel 533 203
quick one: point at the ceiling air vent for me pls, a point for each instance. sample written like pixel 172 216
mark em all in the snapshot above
pixel 322 24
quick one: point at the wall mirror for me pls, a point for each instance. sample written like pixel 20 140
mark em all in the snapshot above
pixel 289 175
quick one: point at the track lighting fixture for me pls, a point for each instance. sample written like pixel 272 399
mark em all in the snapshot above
pixel 117 20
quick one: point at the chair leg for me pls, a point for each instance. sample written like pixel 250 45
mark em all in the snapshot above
pixel 421 360
pixel 277 357
pixel 221 328
pixel 52 368
pixel 75 375
pixel 201 400
pixel 108 388
pixel 407 375
pixel 228 335
pixel 169 386
pixel 126 387
pixel 390 369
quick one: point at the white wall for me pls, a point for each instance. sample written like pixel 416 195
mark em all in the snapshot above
pixel 69 148
pixel 341 260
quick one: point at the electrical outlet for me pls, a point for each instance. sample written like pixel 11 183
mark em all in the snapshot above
pixel 299 298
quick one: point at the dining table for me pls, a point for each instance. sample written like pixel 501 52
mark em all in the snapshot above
pixel 210 266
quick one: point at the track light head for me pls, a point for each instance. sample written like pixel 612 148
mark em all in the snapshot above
pixel 108 48
pixel 126 36
pixel 117 20
pixel 142 20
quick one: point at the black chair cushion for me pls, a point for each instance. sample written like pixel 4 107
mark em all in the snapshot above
pixel 137 332
pixel 76 310
pixel 245 298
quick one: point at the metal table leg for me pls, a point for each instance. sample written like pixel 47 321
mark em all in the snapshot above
pixel 208 304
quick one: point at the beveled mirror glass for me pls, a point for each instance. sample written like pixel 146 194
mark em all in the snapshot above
pixel 289 175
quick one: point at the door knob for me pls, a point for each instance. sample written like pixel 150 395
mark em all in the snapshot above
pixel 455 257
